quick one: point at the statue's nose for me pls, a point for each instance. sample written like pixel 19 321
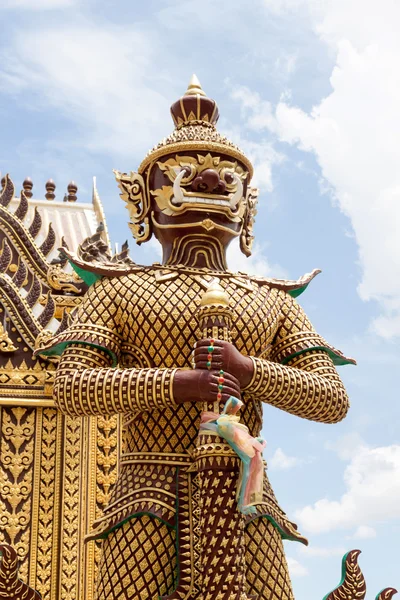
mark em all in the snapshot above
pixel 208 181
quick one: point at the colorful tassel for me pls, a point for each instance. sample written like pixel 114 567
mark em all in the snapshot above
pixel 249 449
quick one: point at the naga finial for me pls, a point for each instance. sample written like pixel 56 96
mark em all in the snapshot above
pixel 352 585
pixel 386 594
pixel 11 586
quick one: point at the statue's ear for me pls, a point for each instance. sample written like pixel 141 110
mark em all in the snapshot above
pixel 134 193
pixel 246 236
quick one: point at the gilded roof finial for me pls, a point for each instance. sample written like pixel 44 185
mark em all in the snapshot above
pixel 50 188
pixel 194 87
pixel 72 189
pixel 27 187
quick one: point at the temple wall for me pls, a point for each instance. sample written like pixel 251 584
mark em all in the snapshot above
pixel 55 476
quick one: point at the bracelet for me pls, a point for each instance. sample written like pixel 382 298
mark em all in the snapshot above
pixel 255 374
pixel 209 356
pixel 221 381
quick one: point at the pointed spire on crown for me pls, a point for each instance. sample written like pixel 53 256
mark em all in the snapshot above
pixel 194 87
pixel 194 108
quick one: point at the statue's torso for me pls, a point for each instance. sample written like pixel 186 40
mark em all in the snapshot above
pixel 158 324
pixel 155 314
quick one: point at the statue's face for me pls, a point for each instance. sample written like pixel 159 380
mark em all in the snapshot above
pixel 202 188
pixel 199 193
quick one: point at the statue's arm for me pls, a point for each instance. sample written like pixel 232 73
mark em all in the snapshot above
pixel 307 386
pixel 86 384
pixel 299 375
pixel 87 380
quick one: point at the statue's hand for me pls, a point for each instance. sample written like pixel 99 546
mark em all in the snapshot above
pixel 202 386
pixel 226 357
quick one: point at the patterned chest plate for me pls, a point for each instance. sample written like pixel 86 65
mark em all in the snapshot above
pixel 158 319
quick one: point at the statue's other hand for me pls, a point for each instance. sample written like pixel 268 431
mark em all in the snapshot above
pixel 202 386
pixel 226 357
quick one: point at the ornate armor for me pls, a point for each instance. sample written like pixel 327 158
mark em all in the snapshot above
pixel 130 346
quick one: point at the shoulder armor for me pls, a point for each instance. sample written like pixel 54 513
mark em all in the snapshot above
pixel 291 286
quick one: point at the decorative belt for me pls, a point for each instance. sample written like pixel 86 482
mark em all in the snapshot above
pixel 159 458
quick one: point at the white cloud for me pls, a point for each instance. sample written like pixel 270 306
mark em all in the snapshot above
pixel 354 134
pixel 36 4
pixel 372 480
pixel 347 445
pixel 318 551
pixel 95 75
pixel 364 532
pixel 282 462
pixel 296 569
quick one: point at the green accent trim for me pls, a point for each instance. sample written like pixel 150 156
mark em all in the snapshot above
pixel 104 536
pixel 282 533
pixel 88 277
pixel 298 291
pixel 337 359
pixel 58 349
pixel 343 576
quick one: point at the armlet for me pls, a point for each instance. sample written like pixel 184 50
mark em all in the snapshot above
pixel 91 334
pixel 303 341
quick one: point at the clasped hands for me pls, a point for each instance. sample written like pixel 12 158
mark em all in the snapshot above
pixel 203 382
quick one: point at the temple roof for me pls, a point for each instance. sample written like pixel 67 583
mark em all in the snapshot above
pixel 72 220
pixel 38 288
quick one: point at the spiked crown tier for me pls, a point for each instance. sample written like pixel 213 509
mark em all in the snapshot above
pixel 195 116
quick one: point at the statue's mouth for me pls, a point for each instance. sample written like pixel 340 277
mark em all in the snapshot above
pixel 195 199
pixel 230 201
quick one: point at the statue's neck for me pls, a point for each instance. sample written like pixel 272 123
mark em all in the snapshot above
pixel 196 250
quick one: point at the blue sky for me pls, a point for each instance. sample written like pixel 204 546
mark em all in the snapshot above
pixel 311 90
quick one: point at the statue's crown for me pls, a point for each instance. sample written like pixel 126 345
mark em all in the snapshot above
pixel 195 116
pixel 194 107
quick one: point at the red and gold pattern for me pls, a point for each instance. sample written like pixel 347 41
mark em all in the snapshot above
pixel 155 319
pixel 172 528
pixel 12 588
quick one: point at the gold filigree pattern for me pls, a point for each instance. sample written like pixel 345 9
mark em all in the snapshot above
pixel 246 236
pixel 33 514
pixel 153 310
pixel 48 507
pixel 6 344
pixel 16 476
pixel 58 280
pixel 70 540
pixel 318 395
pixel 108 432
pixel 135 194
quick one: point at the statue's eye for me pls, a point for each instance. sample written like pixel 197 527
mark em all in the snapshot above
pixel 228 178
pixel 190 172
